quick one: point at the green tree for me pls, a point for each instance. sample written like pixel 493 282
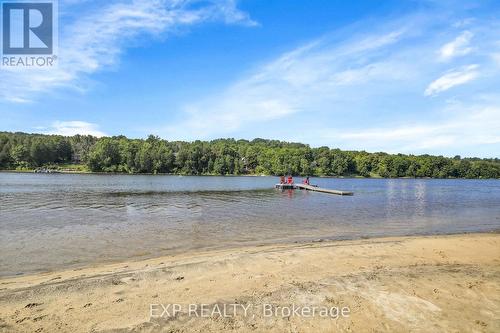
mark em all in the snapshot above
pixel 228 156
pixel 105 156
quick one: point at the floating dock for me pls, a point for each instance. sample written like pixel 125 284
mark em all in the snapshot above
pixel 311 188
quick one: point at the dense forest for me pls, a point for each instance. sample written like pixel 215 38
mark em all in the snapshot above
pixel 22 151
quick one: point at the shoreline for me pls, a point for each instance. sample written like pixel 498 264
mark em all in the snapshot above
pixel 203 251
pixel 441 281
pixel 229 175
pixel 214 251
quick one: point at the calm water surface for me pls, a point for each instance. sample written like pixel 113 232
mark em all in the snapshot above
pixel 50 221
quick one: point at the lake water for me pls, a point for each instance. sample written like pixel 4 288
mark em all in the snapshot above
pixel 51 221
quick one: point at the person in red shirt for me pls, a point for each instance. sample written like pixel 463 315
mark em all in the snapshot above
pixel 290 180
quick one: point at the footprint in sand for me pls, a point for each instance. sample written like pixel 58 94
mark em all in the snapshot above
pixel 481 323
pixel 32 305
pixel 39 318
pixel 21 320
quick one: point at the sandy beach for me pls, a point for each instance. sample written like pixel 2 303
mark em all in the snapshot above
pixel 419 284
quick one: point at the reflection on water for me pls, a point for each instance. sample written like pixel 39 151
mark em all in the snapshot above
pixel 50 221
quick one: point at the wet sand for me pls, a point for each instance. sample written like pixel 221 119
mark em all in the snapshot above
pixel 419 284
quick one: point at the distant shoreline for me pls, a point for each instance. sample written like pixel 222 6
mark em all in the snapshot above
pixel 215 175
pixel 118 154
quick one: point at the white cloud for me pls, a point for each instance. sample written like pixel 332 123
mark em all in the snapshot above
pixel 69 128
pixel 228 11
pixel 496 58
pixel 301 79
pixel 452 79
pixel 94 41
pixel 464 22
pixel 460 128
pixel 458 47
pixel 328 90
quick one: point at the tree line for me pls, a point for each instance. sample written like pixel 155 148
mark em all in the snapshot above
pixel 227 157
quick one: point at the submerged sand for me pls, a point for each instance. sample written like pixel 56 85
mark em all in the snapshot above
pixel 419 284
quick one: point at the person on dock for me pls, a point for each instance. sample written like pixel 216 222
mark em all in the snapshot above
pixel 290 180
pixel 282 180
pixel 306 181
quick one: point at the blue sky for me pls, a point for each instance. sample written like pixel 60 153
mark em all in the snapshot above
pixel 398 76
